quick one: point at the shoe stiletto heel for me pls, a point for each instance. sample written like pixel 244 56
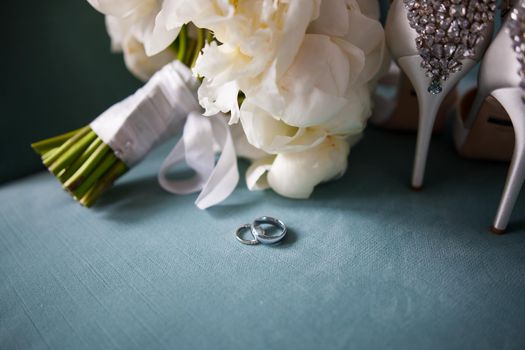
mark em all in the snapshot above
pixel 402 113
pixel 510 100
pixel 494 126
pixel 435 43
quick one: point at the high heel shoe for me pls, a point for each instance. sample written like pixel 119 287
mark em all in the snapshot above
pixel 485 129
pixel 436 43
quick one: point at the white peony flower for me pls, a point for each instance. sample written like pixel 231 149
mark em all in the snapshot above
pixel 209 14
pixel 326 87
pixel 141 22
pixel 352 118
pixel 346 20
pixel 367 33
pixel 343 51
pixel 313 89
pixel 243 148
pixel 369 8
pixel 273 135
pixel 296 174
pixel 138 63
pixel 310 117
pixel 258 35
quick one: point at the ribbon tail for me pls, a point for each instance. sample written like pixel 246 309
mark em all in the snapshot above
pixel 196 148
pixel 225 175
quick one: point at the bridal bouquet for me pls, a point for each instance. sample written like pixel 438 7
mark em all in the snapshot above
pixel 284 83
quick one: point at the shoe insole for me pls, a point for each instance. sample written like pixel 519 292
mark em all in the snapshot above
pixel 405 116
pixel 491 136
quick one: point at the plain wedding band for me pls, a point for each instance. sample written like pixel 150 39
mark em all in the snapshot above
pixel 260 234
pixel 240 230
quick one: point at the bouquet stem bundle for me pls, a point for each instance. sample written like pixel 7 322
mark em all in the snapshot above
pixel 81 161
pixel 84 164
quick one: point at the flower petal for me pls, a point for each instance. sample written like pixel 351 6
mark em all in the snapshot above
pixel 352 118
pixel 332 20
pixel 368 35
pixel 142 65
pixel 256 174
pixel 312 90
pixel 295 175
pixel 274 136
pixel 118 8
pixel 369 8
pixel 222 98
pixel 298 16
pixel 242 147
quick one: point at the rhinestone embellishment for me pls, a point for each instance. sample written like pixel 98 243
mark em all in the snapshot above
pixel 516 28
pixel 448 32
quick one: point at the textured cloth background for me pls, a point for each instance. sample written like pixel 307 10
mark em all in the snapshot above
pixel 368 263
pixel 58 74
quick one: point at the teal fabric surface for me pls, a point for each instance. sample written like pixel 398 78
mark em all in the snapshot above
pixel 368 264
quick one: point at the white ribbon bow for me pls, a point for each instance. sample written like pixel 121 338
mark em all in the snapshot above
pixel 162 108
pixel 197 147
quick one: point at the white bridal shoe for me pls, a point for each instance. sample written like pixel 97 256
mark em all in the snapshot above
pixel 484 129
pixel 435 43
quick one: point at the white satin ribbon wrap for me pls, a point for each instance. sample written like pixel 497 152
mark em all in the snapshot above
pixel 153 113
pixel 160 109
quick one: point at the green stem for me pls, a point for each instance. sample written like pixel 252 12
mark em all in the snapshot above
pixel 105 182
pixel 198 48
pixel 182 44
pixel 44 146
pixel 80 160
pixel 85 170
pixel 66 145
pixel 84 164
pixel 48 154
pixel 189 52
pixel 72 153
pixel 104 165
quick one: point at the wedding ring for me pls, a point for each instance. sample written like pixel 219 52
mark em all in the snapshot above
pixel 243 228
pixel 260 234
